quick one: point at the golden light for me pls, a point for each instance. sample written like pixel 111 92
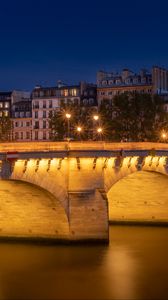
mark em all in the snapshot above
pixel 68 116
pixel 79 129
pixel 99 130
pixel 95 117
pixel 164 135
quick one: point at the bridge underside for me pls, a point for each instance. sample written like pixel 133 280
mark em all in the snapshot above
pixel 28 211
pixel 139 197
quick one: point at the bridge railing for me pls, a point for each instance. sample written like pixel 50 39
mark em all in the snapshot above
pixel 83 146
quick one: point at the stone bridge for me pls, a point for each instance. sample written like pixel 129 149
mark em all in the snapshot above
pixel 76 179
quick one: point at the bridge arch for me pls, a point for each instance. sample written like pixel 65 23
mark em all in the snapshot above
pixel 139 197
pixel 29 211
pixel 51 175
pixel 131 164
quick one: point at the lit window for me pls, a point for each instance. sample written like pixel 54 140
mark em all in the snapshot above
pixel 65 93
pixel 74 92
pixel 6 104
pixel 1 104
pixel 6 113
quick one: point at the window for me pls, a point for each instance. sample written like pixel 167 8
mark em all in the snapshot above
pixel 27 135
pixel 44 104
pixel 85 101
pixel 36 114
pixel 65 93
pixel 6 104
pixel 36 126
pixel 1 104
pixel 27 124
pixel 21 135
pixel 50 103
pixel 76 101
pixel 36 104
pixel 74 92
pixel 44 124
pixel 44 135
pixel 91 101
pixel 6 113
pixel 36 135
pixel 16 135
pixel 44 114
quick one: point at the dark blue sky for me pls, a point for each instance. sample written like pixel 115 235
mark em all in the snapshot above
pixel 43 41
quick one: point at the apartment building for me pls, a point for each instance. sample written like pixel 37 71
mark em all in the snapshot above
pixel 111 84
pixel 47 99
pixel 17 106
pixel 22 120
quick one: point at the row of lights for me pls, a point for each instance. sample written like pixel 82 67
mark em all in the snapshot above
pixel 79 129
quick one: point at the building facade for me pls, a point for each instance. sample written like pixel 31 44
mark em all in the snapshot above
pixel 17 106
pixel 45 100
pixel 112 84
pixel 22 120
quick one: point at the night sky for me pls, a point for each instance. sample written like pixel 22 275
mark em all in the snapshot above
pixel 44 41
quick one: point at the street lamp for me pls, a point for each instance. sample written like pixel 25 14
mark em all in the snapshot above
pixel 95 117
pixel 164 136
pixel 79 129
pixel 99 131
pixel 68 116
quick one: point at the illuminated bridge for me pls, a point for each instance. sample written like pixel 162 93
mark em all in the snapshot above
pixel 63 191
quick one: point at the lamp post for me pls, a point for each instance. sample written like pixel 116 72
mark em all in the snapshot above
pixel 95 118
pixel 68 116
pixel 99 131
pixel 79 129
pixel 164 136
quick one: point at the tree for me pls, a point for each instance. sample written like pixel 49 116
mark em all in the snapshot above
pixel 5 128
pixel 80 116
pixel 106 114
pixel 137 117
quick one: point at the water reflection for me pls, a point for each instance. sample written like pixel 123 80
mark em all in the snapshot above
pixel 133 266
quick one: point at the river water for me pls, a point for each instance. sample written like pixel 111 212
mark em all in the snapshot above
pixel 133 266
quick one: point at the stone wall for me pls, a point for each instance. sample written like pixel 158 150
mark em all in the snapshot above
pixel 28 211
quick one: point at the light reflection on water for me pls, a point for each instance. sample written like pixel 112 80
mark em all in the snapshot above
pixel 133 266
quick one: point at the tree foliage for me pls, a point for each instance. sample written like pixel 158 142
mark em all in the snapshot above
pixel 138 117
pixel 5 128
pixel 128 117
pixel 80 116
